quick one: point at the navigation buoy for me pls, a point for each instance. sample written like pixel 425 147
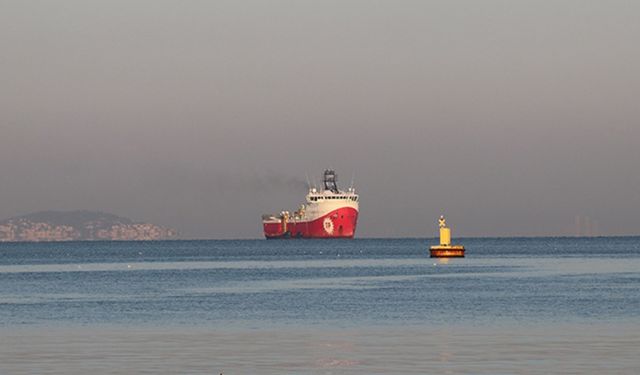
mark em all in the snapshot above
pixel 445 249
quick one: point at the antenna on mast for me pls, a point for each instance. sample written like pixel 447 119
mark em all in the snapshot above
pixel 306 175
pixel 353 176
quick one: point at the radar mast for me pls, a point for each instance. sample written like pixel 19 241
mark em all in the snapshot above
pixel 330 179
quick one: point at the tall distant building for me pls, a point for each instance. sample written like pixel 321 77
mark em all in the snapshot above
pixel 585 226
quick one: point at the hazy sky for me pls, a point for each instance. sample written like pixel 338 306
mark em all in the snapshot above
pixel 511 117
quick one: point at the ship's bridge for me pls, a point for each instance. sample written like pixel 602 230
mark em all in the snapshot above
pixel 328 195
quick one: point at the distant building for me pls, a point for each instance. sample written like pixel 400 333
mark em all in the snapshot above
pixel 585 226
pixel 79 226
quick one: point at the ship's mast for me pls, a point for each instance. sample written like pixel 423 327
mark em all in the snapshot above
pixel 330 181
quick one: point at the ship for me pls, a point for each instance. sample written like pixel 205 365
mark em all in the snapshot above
pixel 326 213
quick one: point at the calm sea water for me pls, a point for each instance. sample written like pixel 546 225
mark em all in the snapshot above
pixel 520 305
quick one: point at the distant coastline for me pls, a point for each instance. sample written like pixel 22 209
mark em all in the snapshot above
pixel 54 226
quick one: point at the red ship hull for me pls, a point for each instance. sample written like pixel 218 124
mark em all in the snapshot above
pixel 339 223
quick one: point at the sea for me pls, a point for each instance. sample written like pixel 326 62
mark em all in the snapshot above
pixel 362 306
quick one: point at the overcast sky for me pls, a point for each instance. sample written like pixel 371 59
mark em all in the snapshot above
pixel 511 117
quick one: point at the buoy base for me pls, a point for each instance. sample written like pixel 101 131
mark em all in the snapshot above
pixel 455 251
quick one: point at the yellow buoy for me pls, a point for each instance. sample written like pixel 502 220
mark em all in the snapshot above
pixel 445 249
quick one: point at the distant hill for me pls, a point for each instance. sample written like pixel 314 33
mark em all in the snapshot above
pixel 79 226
